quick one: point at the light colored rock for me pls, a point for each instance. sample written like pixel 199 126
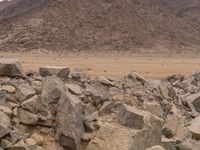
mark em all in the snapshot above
pixel 69 122
pixel 168 144
pixel 61 72
pixel 157 147
pixel 4 124
pixel 6 110
pixel 74 89
pixel 189 144
pixel 27 117
pixel 8 88
pixel 32 104
pixel 193 101
pixel 194 128
pixel 153 108
pixel 107 107
pixel 11 68
pixel 131 117
pixel 103 80
pixel 136 76
pixel 24 91
pixel 18 146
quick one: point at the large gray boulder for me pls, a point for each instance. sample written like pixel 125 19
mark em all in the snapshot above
pixel 61 72
pixel 69 122
pixel 4 124
pixel 11 68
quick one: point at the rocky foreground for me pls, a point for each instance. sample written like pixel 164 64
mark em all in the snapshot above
pixel 59 109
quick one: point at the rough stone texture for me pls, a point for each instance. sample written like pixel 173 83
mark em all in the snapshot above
pixel 24 91
pixel 11 68
pixel 27 117
pixel 153 108
pixel 6 110
pixel 193 101
pixel 32 105
pixel 157 147
pixel 74 89
pixel 61 72
pixel 194 128
pixel 4 124
pixel 70 122
pixel 131 117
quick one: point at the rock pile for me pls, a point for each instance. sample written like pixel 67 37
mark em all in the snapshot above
pixel 59 109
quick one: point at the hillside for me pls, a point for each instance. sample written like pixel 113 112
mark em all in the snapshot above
pixel 98 25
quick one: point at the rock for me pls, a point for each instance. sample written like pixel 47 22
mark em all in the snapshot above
pixel 17 135
pixel 193 102
pixel 18 146
pixel 153 108
pixel 112 136
pixel 5 143
pixel 69 122
pixel 74 89
pixel 24 91
pixel 168 144
pixel 194 128
pixel 8 88
pixel 30 141
pixel 188 144
pixel 61 72
pixel 107 107
pixel 175 124
pixel 27 117
pixel 105 81
pixel 136 76
pixel 98 92
pixel 6 110
pixel 4 124
pixel 38 138
pixel 131 117
pixel 32 104
pixel 78 74
pixel 11 68
pixel 52 90
pixel 157 147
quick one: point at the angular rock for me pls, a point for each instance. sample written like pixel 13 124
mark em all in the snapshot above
pixel 78 74
pixel 136 76
pixel 168 144
pixel 153 108
pixel 107 107
pixel 105 81
pixel 32 105
pixel 8 88
pixel 4 124
pixel 69 122
pixel 24 91
pixel 157 147
pixel 11 68
pixel 52 90
pixel 131 117
pixel 61 72
pixel 27 117
pixel 5 143
pixel 74 89
pixel 194 128
pixel 188 144
pixel 193 102
pixel 6 110
pixel 17 135
pixel 18 146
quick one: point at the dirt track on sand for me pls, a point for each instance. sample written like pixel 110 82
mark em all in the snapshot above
pixel 149 65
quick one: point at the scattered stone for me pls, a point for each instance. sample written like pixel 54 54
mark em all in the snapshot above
pixel 8 88
pixel 4 124
pixel 27 117
pixel 61 72
pixel 10 68
pixel 32 105
pixel 105 81
pixel 74 89
pixel 136 76
pixel 69 120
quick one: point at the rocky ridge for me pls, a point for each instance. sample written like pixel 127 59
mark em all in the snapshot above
pixel 62 109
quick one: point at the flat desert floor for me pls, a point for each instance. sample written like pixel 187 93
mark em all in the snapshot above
pixel 113 64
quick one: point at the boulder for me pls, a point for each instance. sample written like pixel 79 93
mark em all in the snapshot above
pixel 103 80
pixel 18 146
pixel 32 104
pixel 61 72
pixel 131 117
pixel 194 128
pixel 24 91
pixel 6 110
pixel 136 76
pixel 74 89
pixel 11 68
pixel 188 144
pixel 4 124
pixel 27 117
pixel 193 101
pixel 154 108
pixel 8 88
pixel 78 74
pixel 69 122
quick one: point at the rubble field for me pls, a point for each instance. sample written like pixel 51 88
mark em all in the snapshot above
pixel 57 108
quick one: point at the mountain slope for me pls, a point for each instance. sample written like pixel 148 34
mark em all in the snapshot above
pixel 97 25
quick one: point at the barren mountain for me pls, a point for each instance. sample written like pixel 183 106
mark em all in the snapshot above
pixel 97 25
